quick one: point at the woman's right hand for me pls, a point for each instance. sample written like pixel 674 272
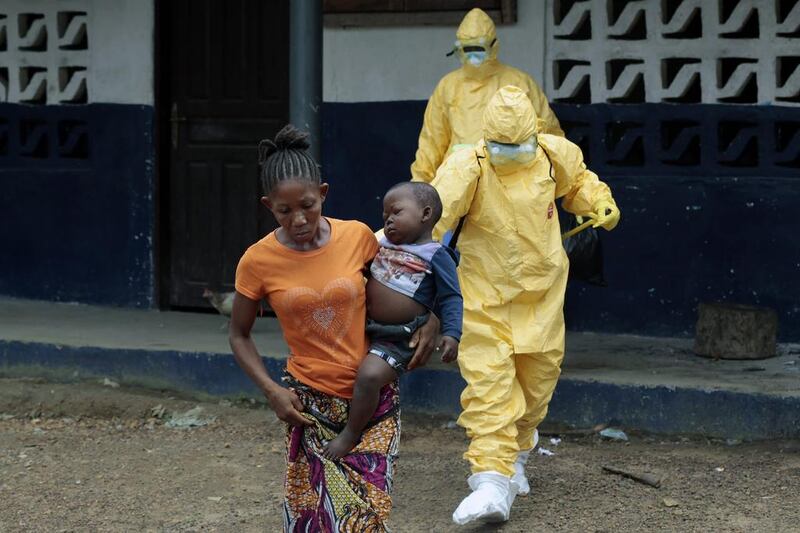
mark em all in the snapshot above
pixel 287 406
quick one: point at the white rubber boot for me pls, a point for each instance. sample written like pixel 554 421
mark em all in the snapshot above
pixel 519 467
pixel 491 499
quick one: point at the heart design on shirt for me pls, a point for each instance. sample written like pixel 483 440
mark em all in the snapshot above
pixel 326 315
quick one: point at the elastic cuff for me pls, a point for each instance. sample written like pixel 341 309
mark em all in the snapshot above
pixel 455 334
pixel 604 201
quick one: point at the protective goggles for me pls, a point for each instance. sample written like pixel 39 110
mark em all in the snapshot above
pixel 473 52
pixel 504 154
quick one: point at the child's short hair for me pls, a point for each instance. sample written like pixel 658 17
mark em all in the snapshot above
pixel 426 195
pixel 286 158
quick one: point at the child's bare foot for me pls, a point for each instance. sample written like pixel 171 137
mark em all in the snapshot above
pixel 340 445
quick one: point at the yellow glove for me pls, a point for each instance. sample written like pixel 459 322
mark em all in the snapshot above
pixel 606 215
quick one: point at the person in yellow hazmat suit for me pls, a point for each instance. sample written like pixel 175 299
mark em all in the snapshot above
pixel 513 274
pixel 454 112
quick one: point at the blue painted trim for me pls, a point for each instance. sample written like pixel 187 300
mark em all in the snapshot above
pixel 689 240
pixel 711 413
pixel 207 372
pixel 77 188
pixel 720 414
pixel 705 232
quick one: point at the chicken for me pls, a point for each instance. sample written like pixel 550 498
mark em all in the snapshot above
pixel 222 301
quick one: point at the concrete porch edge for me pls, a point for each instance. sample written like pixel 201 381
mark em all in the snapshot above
pixel 576 403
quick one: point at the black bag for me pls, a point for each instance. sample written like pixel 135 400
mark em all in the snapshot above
pixel 584 249
pixel 585 252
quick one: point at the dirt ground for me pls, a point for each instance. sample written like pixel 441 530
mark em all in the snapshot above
pixel 88 457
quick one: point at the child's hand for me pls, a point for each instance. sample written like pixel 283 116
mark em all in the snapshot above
pixel 448 347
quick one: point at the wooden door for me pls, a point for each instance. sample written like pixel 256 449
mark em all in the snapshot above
pixel 227 76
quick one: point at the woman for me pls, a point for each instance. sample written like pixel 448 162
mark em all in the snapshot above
pixel 311 271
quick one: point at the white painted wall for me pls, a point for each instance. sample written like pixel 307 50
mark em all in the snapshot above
pixel 405 63
pixel 117 66
pixel 127 27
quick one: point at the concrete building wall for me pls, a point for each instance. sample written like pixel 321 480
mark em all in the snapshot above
pixel 70 50
pixel 76 150
pixel 688 109
pixel 405 63
pixel 126 28
pixel 741 52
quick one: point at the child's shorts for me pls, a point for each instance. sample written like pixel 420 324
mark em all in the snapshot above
pixel 390 341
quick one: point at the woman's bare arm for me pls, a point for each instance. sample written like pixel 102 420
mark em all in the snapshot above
pixel 285 403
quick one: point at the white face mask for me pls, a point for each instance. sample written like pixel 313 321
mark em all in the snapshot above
pixel 475 58
pixel 473 53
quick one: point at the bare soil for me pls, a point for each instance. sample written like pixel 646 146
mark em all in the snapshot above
pixel 88 457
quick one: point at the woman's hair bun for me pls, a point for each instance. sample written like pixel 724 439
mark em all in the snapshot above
pixel 289 138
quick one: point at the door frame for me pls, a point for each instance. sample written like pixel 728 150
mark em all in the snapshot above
pixel 161 132
pixel 163 154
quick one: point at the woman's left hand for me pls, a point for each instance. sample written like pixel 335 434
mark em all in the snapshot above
pixel 424 340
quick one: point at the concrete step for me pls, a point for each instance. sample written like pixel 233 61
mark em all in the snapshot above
pixel 640 383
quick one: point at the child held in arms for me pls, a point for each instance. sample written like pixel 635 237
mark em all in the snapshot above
pixel 410 276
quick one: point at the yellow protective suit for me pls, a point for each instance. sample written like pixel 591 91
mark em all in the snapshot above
pixel 455 109
pixel 513 275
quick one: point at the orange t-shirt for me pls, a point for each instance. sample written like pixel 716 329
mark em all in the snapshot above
pixel 319 299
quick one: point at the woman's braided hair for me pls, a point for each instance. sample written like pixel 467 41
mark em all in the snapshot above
pixel 286 158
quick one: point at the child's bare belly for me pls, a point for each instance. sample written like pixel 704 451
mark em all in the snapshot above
pixel 389 306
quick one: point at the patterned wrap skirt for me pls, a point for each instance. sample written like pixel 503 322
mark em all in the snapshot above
pixel 352 494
